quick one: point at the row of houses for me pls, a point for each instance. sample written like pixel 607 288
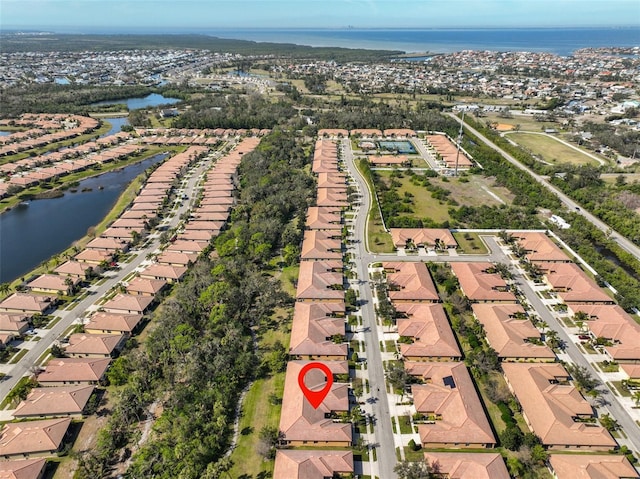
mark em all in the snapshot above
pixel 67 385
pixel 69 153
pixel 615 332
pixel 191 136
pixel 367 133
pixel 62 168
pixel 318 333
pixel 40 132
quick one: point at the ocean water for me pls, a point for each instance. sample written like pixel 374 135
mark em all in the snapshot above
pixel 554 40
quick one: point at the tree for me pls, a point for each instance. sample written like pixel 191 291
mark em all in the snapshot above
pixel 512 438
pixel 57 351
pixel 582 378
pixel 268 439
pixel 609 423
pixel 5 288
pixel 636 397
pixel 413 470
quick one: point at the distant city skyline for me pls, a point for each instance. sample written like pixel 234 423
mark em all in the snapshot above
pixel 180 15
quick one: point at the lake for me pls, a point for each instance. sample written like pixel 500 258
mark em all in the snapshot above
pixel 31 234
pixel 154 99
pixel 116 125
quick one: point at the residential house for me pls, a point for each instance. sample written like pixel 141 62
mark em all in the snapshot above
pixel 410 282
pixel 23 469
pixel 113 323
pixel 573 285
pixel 320 281
pixel 303 425
pixel 554 409
pixel 55 402
pixel 85 345
pixel 429 238
pixel 33 439
pixel 27 303
pixel 467 465
pixel 481 285
pixel 428 329
pixel 310 464
pixel 510 333
pixel 451 413
pixel 592 466
pixel 90 371
pixel 128 304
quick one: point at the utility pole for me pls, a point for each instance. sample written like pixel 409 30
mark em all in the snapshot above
pixel 459 140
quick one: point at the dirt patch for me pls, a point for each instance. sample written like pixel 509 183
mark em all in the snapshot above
pixel 505 127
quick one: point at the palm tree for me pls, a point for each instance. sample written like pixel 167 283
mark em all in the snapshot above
pixel 636 397
pixel 543 325
pixel 5 288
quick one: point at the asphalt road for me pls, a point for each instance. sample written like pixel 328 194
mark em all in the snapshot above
pixel 68 317
pixel 385 446
pixel 383 432
pixel 568 202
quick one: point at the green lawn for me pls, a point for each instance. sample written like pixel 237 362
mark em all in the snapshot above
pixel 257 412
pixel 549 149
pixel 470 243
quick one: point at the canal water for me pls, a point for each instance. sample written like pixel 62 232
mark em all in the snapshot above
pixel 116 125
pixel 154 99
pixel 30 234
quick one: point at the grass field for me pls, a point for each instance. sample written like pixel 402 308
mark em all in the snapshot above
pixel 470 243
pixel 257 412
pixel 525 122
pixel 549 149
pixel 474 192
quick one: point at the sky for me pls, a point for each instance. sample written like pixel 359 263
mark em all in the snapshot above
pixel 87 16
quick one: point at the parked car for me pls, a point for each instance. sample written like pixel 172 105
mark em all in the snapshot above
pixel 584 337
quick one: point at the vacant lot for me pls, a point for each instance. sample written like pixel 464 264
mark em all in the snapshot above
pixel 476 191
pixel 549 149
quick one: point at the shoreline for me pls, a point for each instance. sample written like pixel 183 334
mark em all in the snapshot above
pixel 119 206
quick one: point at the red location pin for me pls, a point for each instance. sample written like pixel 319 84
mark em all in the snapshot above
pixel 315 398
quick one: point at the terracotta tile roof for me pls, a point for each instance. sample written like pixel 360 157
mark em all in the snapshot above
pixel 428 325
pixel 93 344
pixel 93 256
pixel 631 370
pixel 550 407
pixel 507 334
pixel 451 395
pixel 312 329
pixel 13 323
pixel 333 132
pixel 387 159
pixel 332 180
pixel 366 132
pixel 86 370
pixel 27 302
pixel 128 303
pixel 58 401
pixel 324 218
pixel 573 285
pixel 317 279
pixel 399 132
pixel 606 466
pixel 72 268
pixel 331 197
pixel 184 246
pixel 34 437
pixel 321 245
pixel 540 247
pixel 169 272
pixel 23 468
pixel 146 286
pixel 51 282
pixel 479 285
pixel 299 421
pixel 610 321
pixel 175 258
pixel 465 465
pixel 422 236
pixel 292 464
pixel 410 282
pixel 119 322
